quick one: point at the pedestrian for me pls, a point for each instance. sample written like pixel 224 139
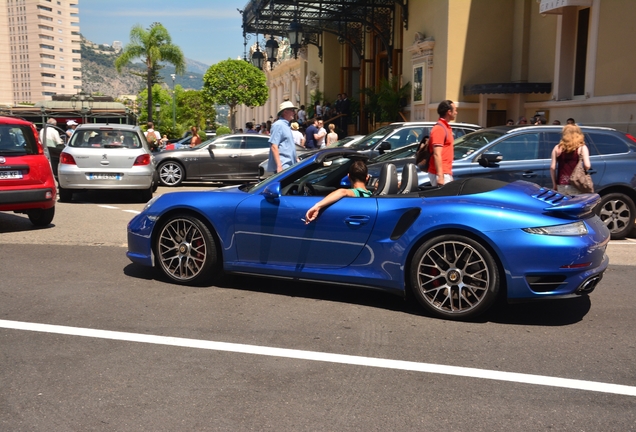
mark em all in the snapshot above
pixel 565 157
pixel 321 134
pixel 72 125
pixel 52 138
pixel 522 121
pixel 302 115
pixel 310 135
pixel 571 121
pixel 249 128
pixel 440 171
pixel 332 136
pixel 282 151
pixel 196 139
pixel 510 122
pixel 299 138
pixel 556 122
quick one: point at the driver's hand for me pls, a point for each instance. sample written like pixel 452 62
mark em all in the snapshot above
pixel 312 214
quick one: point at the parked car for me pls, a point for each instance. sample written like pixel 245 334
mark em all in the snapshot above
pixel 398 135
pixel 523 153
pixel 457 248
pixel 26 179
pixel 223 158
pixel 107 156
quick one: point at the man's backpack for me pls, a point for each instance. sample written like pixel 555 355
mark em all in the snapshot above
pixel 424 154
pixel 151 138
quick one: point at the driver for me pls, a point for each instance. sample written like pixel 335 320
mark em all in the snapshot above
pixel 358 177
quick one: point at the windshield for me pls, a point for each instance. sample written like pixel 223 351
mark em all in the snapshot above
pixel 469 144
pixel 373 138
pixel 341 143
pixel 400 153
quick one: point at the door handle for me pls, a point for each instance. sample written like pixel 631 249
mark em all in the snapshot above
pixel 357 220
pixel 528 174
pixel 234 156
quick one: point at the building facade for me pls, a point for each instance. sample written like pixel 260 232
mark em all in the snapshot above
pixel 40 48
pixel 497 59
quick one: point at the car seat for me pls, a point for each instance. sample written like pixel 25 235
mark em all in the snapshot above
pixel 387 182
pixel 409 179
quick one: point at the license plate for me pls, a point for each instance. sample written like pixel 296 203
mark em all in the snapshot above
pixel 10 174
pixel 104 176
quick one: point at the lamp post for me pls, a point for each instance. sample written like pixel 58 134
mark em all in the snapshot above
pixel 174 105
pixel 86 103
pixel 157 110
pixel 271 48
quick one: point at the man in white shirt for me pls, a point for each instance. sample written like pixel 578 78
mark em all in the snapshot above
pixel 52 138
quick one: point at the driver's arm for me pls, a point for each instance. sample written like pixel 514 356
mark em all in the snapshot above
pixel 334 196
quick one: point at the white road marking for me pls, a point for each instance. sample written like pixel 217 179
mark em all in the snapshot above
pixel 327 357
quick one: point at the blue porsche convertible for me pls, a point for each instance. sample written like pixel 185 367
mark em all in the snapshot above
pixel 456 247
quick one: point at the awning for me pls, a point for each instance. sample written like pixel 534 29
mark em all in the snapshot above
pixel 508 88
pixel 556 6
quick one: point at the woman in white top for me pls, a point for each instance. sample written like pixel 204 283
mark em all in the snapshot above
pixel 299 137
pixel 332 136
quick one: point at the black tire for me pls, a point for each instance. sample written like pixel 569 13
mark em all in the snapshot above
pixel 185 251
pixel 155 182
pixel 66 195
pixel 41 217
pixel 171 173
pixel 454 277
pixel 617 211
pixel 146 195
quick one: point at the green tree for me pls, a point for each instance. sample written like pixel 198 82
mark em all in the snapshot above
pixel 233 83
pixel 152 46
pixel 193 110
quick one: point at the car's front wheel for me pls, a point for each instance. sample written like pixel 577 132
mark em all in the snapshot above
pixel 185 250
pixel 454 277
pixel 617 211
pixel 171 173
pixel 41 217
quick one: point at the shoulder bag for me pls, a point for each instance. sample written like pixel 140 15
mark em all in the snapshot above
pixel 580 179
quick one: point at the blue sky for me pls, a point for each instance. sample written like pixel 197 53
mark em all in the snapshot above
pixel 207 31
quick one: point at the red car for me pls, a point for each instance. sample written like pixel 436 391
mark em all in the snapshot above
pixel 26 179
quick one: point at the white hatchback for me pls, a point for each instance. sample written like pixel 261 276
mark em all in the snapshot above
pixel 105 156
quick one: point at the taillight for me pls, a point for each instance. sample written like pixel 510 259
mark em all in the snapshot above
pixel 67 159
pixel 630 137
pixel 144 159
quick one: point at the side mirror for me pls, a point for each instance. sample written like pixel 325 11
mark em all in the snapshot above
pixel 272 192
pixel 211 147
pixel 384 146
pixel 488 159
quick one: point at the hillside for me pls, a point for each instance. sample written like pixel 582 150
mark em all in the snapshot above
pixel 100 76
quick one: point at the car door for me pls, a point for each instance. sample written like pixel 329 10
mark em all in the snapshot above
pixel 273 232
pixel 256 149
pixel 523 159
pixel 222 161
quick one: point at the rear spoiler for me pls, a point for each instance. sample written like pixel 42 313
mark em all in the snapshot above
pixel 568 205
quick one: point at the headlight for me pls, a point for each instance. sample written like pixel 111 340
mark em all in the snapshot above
pixel 571 229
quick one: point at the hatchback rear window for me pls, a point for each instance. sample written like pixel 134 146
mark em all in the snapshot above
pixel 105 138
pixel 16 140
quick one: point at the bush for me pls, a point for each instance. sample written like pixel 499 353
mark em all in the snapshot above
pixel 223 130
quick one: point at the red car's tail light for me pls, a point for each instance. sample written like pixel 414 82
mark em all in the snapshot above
pixel 142 160
pixel 67 159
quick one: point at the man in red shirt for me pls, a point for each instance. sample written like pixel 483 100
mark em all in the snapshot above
pixel 440 170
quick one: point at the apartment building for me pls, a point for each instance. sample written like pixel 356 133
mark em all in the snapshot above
pixel 40 48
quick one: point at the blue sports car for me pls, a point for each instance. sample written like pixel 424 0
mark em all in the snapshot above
pixel 456 247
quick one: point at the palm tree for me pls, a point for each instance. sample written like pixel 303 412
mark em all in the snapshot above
pixel 152 46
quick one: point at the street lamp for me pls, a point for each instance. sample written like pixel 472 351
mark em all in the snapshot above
pixel 295 34
pixel 174 105
pixel 157 110
pixel 271 48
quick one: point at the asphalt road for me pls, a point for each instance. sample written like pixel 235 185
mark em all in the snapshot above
pixel 91 342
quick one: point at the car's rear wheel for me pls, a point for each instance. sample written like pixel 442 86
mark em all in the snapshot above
pixel 617 211
pixel 171 173
pixel 185 250
pixel 41 217
pixel 454 277
pixel 66 195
